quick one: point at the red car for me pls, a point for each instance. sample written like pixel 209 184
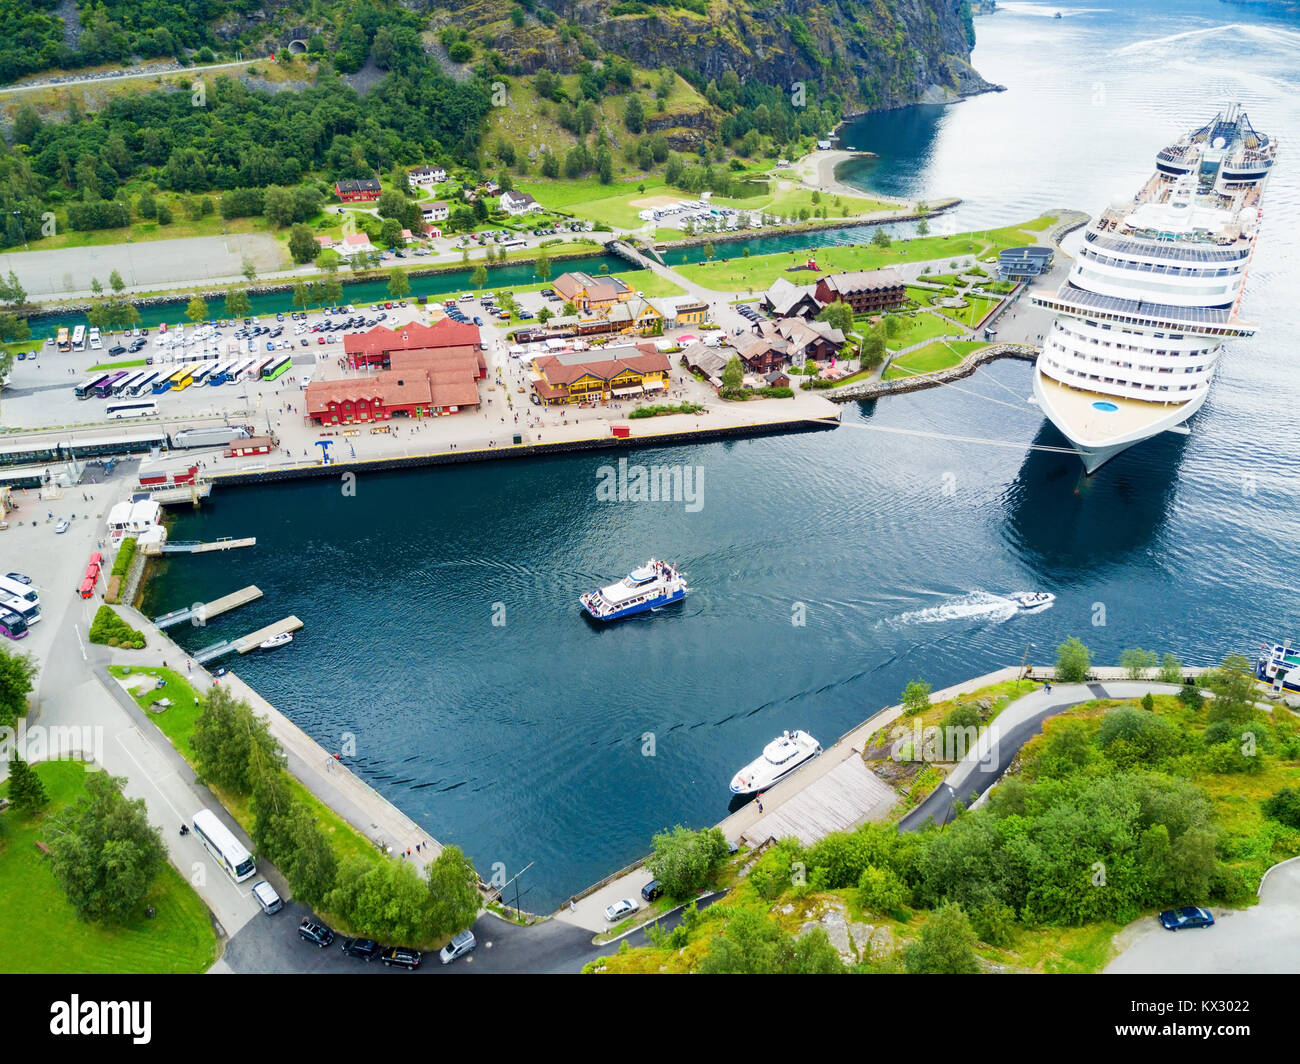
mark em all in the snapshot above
pixel 320 339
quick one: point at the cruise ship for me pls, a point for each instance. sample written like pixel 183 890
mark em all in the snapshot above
pixel 1154 293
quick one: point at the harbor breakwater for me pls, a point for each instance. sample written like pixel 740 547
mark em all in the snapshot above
pixel 874 389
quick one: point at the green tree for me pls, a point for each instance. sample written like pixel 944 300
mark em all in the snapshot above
pixel 301 296
pixel 197 309
pixel 231 743
pixel 685 861
pixel 634 114
pixel 302 244
pixel 544 315
pixel 164 214
pixel 310 866
pixel 946 945
pixel 839 315
pixel 26 790
pixel 916 698
pixel 880 890
pixel 1233 685
pixel 249 270
pixel 871 352
pixel 1284 806
pixel 479 278
pixel 146 206
pixel 399 284
pixel 116 283
pixel 709 252
pixel 453 893
pixel 880 239
pixel 1171 669
pixel 542 266
pixel 733 374
pixel 1073 661
pixel 1137 662
pixel 17 671
pixel 385 900
pixel 238 305
pixel 752 943
pixel 922 228
pixel 103 852
pixel 331 289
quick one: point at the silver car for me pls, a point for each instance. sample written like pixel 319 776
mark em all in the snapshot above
pixel 267 898
pixel 620 910
pixel 457 947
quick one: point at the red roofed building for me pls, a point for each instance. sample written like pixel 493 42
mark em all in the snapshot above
pixel 612 372
pixel 411 392
pixel 374 348
pixel 366 190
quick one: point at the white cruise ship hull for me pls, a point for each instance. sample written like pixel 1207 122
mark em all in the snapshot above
pixel 1092 440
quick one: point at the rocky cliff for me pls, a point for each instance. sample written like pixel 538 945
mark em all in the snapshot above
pixel 874 54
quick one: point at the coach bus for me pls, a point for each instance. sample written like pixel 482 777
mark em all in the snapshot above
pixel 11 588
pixel 131 408
pixel 104 388
pixel 65 345
pixel 276 369
pixel 79 338
pixel 90 386
pixel 222 844
pixel 145 383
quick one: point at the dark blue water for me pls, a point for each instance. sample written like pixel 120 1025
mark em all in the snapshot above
pixel 525 742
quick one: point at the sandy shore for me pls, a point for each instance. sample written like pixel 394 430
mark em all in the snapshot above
pixel 817 170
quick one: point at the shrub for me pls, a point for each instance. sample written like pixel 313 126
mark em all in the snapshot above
pixel 109 629
pixel 1284 806
pixel 125 554
pixel 880 890
pixel 946 945
pixel 1073 661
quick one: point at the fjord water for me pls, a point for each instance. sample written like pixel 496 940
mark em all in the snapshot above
pixel 531 741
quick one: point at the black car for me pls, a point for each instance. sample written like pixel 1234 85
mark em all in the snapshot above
pixel 115 350
pixel 652 890
pixel 19 577
pixel 402 956
pixel 315 932
pixel 365 948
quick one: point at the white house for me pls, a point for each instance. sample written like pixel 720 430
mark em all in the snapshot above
pixel 516 203
pixel 354 244
pixel 437 211
pixel 424 176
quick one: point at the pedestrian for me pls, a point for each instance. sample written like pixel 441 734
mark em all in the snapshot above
pixel 1047 686
pixel 189 665
pixel 759 798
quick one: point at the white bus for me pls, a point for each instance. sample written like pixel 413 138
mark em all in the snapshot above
pixel 28 611
pixel 11 588
pixel 227 849
pixel 79 338
pixel 131 408
pixel 145 383
pixel 124 386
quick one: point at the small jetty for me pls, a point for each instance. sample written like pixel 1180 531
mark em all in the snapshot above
pixel 249 642
pixel 193 493
pixel 204 611
pixel 195 547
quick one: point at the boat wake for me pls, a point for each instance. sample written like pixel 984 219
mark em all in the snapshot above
pixel 981 605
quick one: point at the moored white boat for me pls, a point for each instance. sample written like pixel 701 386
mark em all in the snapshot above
pixel 276 641
pixel 787 752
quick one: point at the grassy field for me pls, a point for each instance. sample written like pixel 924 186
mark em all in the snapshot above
pixel 921 326
pixel 757 272
pixel 936 356
pixel 40 932
pixel 971 314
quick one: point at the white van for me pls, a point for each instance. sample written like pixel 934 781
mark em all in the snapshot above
pixel 267 898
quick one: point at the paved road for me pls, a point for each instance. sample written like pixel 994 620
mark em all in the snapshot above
pixel 1265 939
pixel 271 945
pixel 984 765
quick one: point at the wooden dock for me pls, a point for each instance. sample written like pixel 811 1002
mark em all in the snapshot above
pixel 253 639
pixel 194 547
pixel 205 611
pixel 846 796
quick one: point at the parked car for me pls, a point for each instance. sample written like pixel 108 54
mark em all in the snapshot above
pixel 60 528
pixel 457 947
pixel 402 956
pixel 620 910
pixel 365 948
pixel 315 932
pixel 115 350
pixel 19 577
pixel 267 898
pixel 652 890
pixel 1187 916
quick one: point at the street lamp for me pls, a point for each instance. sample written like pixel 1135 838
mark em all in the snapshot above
pixel 1023 662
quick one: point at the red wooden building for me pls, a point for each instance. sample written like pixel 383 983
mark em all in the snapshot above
pixel 365 190
pixel 374 349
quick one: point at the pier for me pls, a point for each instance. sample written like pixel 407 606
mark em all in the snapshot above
pixel 203 611
pixel 248 642
pixel 195 547
pixel 182 493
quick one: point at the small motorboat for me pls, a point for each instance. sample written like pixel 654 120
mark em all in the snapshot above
pixel 780 757
pixel 276 641
pixel 1032 600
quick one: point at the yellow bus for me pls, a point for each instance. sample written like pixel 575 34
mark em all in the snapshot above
pixel 64 343
pixel 184 377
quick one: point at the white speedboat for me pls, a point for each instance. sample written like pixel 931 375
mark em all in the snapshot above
pixel 276 641
pixel 1032 600
pixel 780 757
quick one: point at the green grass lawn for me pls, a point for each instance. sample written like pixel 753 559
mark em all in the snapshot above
pixel 971 314
pixel 921 326
pixel 103 366
pixel 40 932
pixel 757 272
pixel 939 355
